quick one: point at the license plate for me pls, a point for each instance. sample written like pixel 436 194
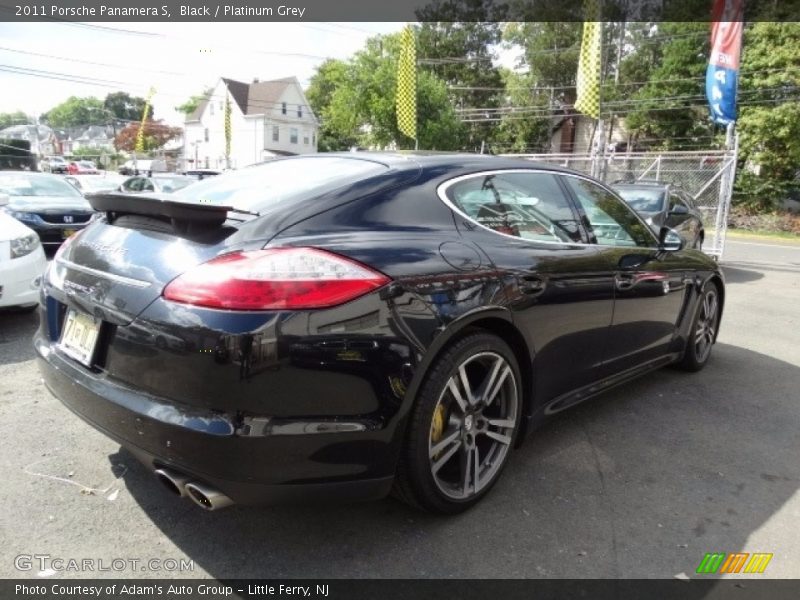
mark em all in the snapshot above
pixel 79 337
pixel 65 233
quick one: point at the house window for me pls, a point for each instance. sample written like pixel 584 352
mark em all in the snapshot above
pixel 283 108
pixel 276 133
pixel 299 111
pixel 313 139
pixel 293 135
pixel 211 109
pixel 205 134
pixel 305 139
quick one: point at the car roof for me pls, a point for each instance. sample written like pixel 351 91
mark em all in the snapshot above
pixel 416 159
pixel 643 183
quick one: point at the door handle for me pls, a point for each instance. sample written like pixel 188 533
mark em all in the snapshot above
pixel 531 285
pixel 626 281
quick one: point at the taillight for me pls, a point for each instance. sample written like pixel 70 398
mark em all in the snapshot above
pixel 277 278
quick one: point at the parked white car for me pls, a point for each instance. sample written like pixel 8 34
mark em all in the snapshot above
pixel 22 262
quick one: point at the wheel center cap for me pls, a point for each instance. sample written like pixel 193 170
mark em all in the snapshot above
pixel 468 421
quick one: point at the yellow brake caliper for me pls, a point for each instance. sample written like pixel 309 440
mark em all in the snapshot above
pixel 437 425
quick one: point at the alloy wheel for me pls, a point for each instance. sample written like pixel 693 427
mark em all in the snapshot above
pixel 706 327
pixel 473 425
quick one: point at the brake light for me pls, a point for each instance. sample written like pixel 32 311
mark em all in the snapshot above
pixel 277 278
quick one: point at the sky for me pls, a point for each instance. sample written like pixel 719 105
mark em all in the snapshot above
pixel 177 59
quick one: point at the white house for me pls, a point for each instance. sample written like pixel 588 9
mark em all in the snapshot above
pixel 268 118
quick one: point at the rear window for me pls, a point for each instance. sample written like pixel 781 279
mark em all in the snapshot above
pixel 255 188
pixel 643 199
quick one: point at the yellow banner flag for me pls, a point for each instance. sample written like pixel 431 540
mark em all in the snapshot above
pixel 227 131
pixel 140 134
pixel 407 85
pixel 588 88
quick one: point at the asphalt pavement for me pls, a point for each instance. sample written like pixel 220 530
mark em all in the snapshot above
pixel 640 482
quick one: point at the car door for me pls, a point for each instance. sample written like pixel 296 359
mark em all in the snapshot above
pixel 556 285
pixel 649 286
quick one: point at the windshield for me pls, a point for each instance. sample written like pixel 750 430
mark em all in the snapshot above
pixel 20 184
pixel 260 186
pixel 87 164
pixel 643 199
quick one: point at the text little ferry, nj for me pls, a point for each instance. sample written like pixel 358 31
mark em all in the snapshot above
pixel 213 590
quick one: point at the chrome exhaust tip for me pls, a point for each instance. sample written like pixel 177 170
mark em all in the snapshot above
pixel 172 480
pixel 207 497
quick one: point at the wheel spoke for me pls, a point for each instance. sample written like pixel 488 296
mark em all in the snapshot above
pixel 442 444
pixel 489 380
pixel 442 460
pixel 699 335
pixel 454 391
pixel 462 372
pixel 502 438
pixel 712 307
pixel 476 467
pixel 466 465
pixel 498 385
pixel 501 422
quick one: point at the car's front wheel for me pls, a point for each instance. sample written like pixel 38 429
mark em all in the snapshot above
pixel 462 427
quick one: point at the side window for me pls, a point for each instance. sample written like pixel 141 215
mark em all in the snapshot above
pixel 531 206
pixel 133 185
pixel 674 200
pixel 611 220
pixel 147 186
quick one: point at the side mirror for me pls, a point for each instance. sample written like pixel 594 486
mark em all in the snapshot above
pixel 4 199
pixel 679 209
pixel 669 240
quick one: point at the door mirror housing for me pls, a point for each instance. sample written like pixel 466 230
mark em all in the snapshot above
pixel 669 240
pixel 4 200
pixel 679 209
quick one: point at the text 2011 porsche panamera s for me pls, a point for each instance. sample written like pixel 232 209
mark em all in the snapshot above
pixel 340 326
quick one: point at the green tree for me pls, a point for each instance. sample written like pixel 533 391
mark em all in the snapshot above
pixel 669 110
pixel 15 118
pixel 355 101
pixel 334 135
pixel 125 107
pixel 193 102
pixel 75 112
pixel 769 120
pixel 525 128
pixel 455 43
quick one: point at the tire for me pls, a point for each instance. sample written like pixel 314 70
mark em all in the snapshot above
pixel 704 330
pixel 449 427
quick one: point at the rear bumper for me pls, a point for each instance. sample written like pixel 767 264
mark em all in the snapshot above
pixel 250 460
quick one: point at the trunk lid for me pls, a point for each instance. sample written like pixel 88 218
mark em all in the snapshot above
pixel 117 266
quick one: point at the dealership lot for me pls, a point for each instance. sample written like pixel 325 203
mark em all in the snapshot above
pixel 640 482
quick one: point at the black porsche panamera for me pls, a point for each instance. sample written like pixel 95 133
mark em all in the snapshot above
pixel 339 326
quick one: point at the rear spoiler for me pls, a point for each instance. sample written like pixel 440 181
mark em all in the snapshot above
pixel 159 205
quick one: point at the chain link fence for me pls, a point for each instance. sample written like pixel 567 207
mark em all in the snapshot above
pixel 706 175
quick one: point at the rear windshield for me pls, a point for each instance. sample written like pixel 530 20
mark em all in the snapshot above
pixel 643 199
pixel 255 188
pixel 21 184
